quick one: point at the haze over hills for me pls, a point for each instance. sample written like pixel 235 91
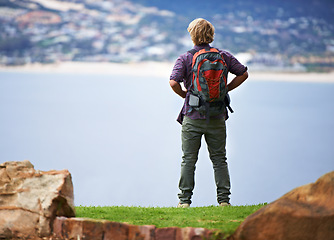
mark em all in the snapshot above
pixel 298 35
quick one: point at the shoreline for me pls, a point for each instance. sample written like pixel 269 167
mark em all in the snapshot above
pixel 154 69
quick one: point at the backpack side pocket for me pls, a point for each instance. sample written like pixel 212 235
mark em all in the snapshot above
pixel 193 101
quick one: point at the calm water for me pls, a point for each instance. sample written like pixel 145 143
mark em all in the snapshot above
pixel 118 136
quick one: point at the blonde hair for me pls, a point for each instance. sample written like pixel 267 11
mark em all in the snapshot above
pixel 201 31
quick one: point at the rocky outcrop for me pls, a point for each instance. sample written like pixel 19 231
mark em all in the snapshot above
pixel 83 228
pixel 306 213
pixel 38 205
pixel 30 200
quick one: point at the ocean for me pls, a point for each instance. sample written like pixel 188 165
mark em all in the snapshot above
pixel 119 138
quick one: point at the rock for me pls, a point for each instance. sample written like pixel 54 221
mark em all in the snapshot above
pixel 175 233
pixel 30 200
pixel 84 228
pixel 306 213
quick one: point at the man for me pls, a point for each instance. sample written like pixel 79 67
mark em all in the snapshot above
pixel 195 124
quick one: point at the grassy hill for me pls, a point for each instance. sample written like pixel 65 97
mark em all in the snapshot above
pixel 223 219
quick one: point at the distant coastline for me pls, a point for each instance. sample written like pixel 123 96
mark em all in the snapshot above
pixel 154 69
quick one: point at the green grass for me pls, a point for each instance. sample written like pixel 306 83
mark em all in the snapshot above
pixel 223 219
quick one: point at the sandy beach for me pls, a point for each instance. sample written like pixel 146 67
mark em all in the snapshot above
pixel 154 69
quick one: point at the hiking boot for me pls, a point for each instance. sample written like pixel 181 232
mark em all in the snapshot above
pixel 183 205
pixel 224 204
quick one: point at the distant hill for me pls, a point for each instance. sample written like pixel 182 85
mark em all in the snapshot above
pixel 283 32
pixel 275 33
pixel 258 9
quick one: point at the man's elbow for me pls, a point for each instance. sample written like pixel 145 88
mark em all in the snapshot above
pixel 245 75
pixel 173 83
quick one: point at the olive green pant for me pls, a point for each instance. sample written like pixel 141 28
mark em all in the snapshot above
pixel 214 132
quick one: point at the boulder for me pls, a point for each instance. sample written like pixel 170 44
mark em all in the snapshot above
pixel 85 228
pixel 30 200
pixel 306 212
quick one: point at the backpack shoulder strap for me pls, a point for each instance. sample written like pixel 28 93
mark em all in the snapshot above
pixel 192 51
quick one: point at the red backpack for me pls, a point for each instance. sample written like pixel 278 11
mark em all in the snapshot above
pixel 208 91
